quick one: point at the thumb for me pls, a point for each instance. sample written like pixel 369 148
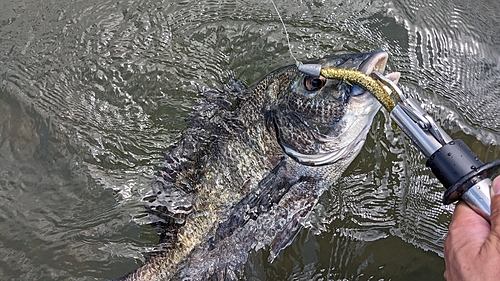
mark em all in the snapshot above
pixel 495 207
pixel 495 187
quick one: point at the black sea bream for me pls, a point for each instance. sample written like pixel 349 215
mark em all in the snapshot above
pixel 251 166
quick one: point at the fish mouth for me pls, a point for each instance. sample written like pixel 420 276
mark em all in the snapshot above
pixel 377 62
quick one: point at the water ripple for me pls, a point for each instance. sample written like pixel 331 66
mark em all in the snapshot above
pixel 93 92
pixel 453 55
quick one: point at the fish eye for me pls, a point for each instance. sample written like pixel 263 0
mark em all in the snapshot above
pixel 314 83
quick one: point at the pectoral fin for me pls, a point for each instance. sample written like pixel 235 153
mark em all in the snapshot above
pixel 260 200
pixel 286 236
pixel 271 215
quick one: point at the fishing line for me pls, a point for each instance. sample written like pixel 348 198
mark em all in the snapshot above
pixel 309 69
pixel 297 62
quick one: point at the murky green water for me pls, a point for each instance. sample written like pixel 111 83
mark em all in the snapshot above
pixel 93 91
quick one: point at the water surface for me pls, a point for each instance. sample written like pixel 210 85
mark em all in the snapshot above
pixel 92 92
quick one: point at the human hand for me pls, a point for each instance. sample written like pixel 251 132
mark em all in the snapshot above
pixel 472 248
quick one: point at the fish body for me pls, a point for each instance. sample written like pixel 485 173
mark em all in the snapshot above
pixel 251 166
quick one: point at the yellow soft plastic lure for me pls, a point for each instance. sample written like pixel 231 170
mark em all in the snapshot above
pixel 364 80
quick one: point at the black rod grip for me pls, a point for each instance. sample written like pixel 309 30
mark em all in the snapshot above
pixel 458 168
pixel 452 162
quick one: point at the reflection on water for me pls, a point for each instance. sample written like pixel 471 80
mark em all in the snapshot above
pixel 93 91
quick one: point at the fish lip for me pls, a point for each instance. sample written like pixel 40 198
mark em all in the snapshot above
pixel 376 62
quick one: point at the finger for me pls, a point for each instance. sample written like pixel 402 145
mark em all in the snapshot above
pixel 464 215
pixel 495 187
pixel 465 222
pixel 495 208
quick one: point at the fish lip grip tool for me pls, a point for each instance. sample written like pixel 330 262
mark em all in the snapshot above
pixel 453 163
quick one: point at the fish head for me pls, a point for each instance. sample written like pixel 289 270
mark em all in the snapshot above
pixel 319 121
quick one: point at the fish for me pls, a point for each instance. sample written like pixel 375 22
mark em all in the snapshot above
pixel 251 166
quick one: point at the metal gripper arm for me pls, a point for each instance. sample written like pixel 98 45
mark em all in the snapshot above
pixel 461 172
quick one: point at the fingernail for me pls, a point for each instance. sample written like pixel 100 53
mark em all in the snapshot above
pixel 495 187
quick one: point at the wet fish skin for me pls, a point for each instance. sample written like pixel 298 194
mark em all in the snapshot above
pixel 250 167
